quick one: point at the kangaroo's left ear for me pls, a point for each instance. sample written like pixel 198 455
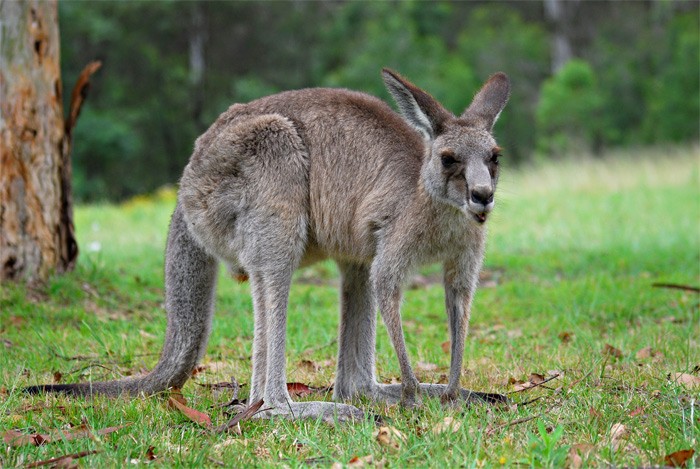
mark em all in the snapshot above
pixel 419 109
pixel 489 102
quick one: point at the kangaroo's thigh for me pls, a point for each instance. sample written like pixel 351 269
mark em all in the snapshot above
pixel 248 187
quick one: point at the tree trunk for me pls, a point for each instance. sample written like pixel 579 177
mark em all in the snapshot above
pixel 36 229
pixel 560 14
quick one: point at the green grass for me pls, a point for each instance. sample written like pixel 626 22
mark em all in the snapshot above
pixel 573 251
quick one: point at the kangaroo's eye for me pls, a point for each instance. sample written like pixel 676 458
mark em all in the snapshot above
pixel 494 158
pixel 448 160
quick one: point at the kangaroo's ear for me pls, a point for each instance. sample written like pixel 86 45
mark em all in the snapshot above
pixel 419 109
pixel 489 102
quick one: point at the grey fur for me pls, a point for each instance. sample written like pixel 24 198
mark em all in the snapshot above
pixel 299 176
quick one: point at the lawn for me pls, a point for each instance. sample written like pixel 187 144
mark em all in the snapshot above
pixel 574 250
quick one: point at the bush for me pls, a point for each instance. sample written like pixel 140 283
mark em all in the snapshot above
pixel 568 113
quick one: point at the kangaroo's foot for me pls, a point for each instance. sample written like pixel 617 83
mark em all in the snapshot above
pixel 328 412
pixel 391 394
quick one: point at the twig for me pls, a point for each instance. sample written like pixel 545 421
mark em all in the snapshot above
pixel 247 413
pixel 528 402
pixel 82 454
pixel 216 462
pixel 93 365
pixel 75 357
pixel 676 286
pixel 518 421
pixel 320 347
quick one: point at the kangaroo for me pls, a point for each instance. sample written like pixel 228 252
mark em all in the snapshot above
pixel 296 177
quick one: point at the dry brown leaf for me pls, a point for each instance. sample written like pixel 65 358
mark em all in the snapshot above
pixel 611 351
pixel 389 436
pixel 689 381
pixel 300 389
pixel 565 337
pixel 679 458
pixel 448 425
pixel 15 438
pixel 577 453
pixel 618 432
pixel 522 385
pixel 425 366
pixel 57 375
pixel 150 453
pixel 146 335
pixel 514 334
pixel 637 411
pixel 536 378
pixel 363 461
pixel 445 346
pixel 196 416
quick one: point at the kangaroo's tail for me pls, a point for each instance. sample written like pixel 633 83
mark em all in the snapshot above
pixel 190 280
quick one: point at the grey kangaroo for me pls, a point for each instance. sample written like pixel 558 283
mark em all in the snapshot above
pixel 296 177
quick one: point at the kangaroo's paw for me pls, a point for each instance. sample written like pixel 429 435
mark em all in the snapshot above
pixel 391 394
pixel 328 412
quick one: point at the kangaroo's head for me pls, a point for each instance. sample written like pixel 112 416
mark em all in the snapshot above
pixel 461 167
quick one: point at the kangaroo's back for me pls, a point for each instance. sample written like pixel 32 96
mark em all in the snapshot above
pixel 364 162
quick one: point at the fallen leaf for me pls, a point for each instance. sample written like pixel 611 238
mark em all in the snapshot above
pixel 57 375
pixel 577 453
pixel 565 337
pixel 176 395
pixel 611 351
pixel 300 389
pixel 594 413
pixel 618 432
pixel 689 381
pixel 196 416
pixel 363 461
pixel 637 411
pixel 445 346
pixel 448 425
pixel 644 353
pixel 150 453
pixel 679 458
pixel 514 334
pixel 425 366
pixel 146 335
pixel 389 436
pixel 15 438
pixel 536 378
pixel 521 385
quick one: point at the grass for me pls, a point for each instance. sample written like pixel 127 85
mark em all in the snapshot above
pixel 574 249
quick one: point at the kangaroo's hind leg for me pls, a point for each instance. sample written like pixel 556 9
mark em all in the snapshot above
pixel 248 193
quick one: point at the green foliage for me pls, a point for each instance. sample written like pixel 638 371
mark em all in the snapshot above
pixel 568 114
pixel 546 448
pixel 674 95
pixel 496 38
pixel 640 78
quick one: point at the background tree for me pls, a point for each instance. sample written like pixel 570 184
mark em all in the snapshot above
pixel 166 79
pixel 36 219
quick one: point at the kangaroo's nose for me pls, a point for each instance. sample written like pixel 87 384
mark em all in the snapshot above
pixel 482 195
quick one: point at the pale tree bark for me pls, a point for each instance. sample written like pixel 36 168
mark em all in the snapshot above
pixel 36 219
pixel 560 14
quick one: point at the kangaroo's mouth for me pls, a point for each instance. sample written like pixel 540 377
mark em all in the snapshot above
pixel 480 217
